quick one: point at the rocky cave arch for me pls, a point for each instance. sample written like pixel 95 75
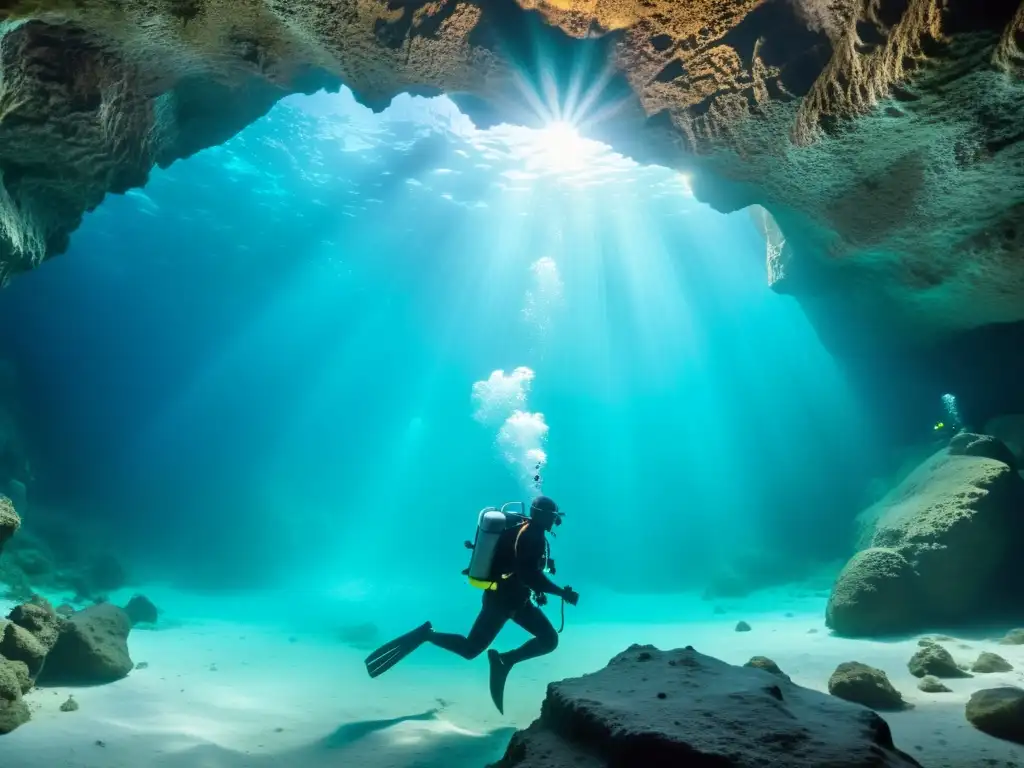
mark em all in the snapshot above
pixel 883 137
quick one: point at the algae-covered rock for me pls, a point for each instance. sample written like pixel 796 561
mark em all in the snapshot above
pixel 989 662
pixel 932 684
pixel 871 594
pixel 998 712
pixel 13 711
pixel 939 546
pixel 92 648
pixel 936 661
pixel 763 662
pixel 18 644
pixel 39 618
pixel 863 684
pixel 9 521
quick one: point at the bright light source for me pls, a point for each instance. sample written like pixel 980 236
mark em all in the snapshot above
pixel 561 147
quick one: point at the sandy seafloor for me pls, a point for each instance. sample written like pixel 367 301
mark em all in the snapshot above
pixel 279 690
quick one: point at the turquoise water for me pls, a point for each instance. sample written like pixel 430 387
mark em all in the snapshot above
pixel 291 365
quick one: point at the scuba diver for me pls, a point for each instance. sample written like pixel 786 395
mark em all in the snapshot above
pixel 509 560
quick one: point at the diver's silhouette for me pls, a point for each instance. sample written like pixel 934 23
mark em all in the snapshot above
pixel 509 560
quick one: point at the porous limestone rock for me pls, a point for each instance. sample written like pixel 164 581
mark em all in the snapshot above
pixel 863 684
pixel 969 444
pixel 938 548
pixel 998 712
pixel 871 594
pixel 92 648
pixel 18 644
pixel 930 684
pixel 652 707
pixel 882 137
pixel 13 710
pixel 39 618
pixel 9 521
pixel 936 661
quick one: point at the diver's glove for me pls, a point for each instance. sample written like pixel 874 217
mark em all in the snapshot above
pixel 570 595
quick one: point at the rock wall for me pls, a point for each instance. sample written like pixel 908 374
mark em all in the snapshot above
pixel 882 136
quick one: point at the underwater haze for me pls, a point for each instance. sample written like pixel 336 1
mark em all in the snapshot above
pixel 287 375
pixel 261 367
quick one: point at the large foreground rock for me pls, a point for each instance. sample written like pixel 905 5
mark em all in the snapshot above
pixel 667 708
pixel 937 549
pixel 92 648
pixel 9 521
pixel 998 712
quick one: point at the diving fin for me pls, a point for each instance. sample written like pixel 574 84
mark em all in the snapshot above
pixel 499 674
pixel 389 654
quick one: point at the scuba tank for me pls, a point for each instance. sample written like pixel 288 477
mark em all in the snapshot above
pixel 490 525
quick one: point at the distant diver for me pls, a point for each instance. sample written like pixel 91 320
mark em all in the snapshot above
pixel 509 561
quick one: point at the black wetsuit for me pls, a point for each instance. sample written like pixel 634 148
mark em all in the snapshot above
pixel 511 600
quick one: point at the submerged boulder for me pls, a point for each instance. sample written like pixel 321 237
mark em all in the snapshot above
pixel 987 446
pixel 140 610
pixel 1013 637
pixel 763 662
pixel 650 707
pixel 18 644
pixel 938 547
pixel 9 521
pixel 865 685
pixel 998 712
pixel 930 684
pixel 92 648
pixel 39 618
pixel 932 659
pixel 989 662
pixel 13 710
pixel 871 594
